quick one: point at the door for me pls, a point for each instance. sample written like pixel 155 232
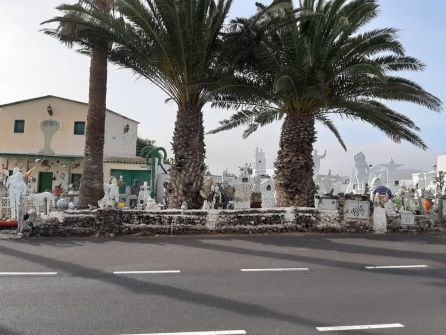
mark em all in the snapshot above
pixel 45 182
pixel 129 177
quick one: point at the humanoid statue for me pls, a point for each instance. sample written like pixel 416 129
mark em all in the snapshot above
pixel 391 168
pixel 361 171
pixel 16 187
pixel 114 190
pixel 317 161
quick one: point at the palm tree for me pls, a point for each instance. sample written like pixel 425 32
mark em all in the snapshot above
pixel 70 32
pixel 321 65
pixel 174 44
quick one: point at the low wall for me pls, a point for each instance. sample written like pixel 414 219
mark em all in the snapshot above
pixel 114 222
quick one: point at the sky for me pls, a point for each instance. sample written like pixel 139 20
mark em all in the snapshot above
pixel 33 64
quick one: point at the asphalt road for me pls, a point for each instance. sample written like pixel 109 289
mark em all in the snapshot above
pixel 225 285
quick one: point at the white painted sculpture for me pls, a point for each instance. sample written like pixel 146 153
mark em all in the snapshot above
pixel 351 183
pixel 391 169
pixel 206 193
pixel 361 171
pixel 111 194
pixel 244 170
pixel 317 161
pixel 151 204
pixel 330 182
pixel 16 187
pixel 268 193
pixel 256 185
pixel 375 172
pixel 143 194
pixel 114 190
pixel 105 201
pixel 42 199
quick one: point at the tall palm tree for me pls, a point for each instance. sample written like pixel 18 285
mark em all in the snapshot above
pixel 175 44
pixel 70 32
pixel 321 65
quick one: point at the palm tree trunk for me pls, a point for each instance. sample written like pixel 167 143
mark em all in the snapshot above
pixel 92 181
pixel 294 165
pixel 186 175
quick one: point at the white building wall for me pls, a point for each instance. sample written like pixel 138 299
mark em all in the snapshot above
pixel 118 142
pixel 441 163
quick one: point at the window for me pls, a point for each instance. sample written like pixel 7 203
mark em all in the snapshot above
pixel 79 128
pixel 19 126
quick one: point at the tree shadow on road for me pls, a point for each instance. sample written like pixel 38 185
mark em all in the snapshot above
pixel 141 287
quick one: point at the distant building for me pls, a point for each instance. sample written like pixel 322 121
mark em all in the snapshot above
pixel 441 163
pixel 47 134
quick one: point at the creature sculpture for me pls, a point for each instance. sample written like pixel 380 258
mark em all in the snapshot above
pixel 207 193
pixel 41 199
pixel 155 156
pixel 362 171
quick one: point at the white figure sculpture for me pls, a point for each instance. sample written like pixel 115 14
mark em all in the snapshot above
pixel 114 190
pixel 217 194
pixel 105 201
pixel 329 182
pixel 244 170
pixel 351 183
pixel 361 171
pixel 151 204
pixel 4 174
pixel 40 199
pixel 206 193
pixel 375 171
pixel 16 187
pixel 391 168
pixel 317 161
pixel 256 185
pixel 143 194
pixel 376 182
pixel 268 193
pixel 421 181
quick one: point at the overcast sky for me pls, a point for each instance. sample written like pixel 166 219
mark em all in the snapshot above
pixel 33 64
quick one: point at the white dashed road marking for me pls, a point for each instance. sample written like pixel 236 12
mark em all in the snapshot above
pixel 396 267
pixel 273 270
pixel 360 327
pixel 215 332
pixel 28 273
pixel 144 272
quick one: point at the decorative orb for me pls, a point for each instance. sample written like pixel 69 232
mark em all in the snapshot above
pixel 62 204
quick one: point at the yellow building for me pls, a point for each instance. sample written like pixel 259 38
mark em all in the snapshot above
pixel 47 136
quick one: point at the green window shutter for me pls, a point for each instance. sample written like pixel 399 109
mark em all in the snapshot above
pixel 19 126
pixel 79 128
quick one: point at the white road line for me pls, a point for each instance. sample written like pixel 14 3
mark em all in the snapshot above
pixel 215 332
pixel 396 266
pixel 144 272
pixel 272 270
pixel 360 327
pixel 28 273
